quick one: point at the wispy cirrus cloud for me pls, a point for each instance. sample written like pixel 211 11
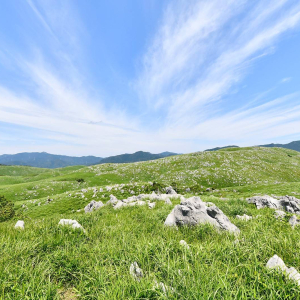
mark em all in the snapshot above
pixel 196 59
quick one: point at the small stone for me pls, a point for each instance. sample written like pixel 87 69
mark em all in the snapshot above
pixel 73 223
pixel 151 205
pixel 244 217
pixel 135 271
pixel 279 214
pixel 184 244
pixel 20 225
pixel 276 262
pixel 168 201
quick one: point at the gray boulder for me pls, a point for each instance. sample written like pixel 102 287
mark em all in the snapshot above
pixel 93 205
pixel 194 211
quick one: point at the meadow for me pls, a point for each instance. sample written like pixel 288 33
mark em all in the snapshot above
pixel 47 261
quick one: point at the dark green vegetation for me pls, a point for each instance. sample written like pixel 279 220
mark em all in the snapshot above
pixel 45 260
pixel 6 209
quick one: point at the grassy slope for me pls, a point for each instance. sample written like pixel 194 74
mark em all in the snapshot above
pixel 37 263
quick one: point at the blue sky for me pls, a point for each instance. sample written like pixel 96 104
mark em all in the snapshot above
pixel 110 77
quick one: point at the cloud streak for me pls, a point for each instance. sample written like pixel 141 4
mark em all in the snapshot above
pixel 198 57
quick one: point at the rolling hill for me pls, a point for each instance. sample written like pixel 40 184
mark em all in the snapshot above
pixel 49 261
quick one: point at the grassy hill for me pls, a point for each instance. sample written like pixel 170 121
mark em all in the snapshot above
pixel 46 261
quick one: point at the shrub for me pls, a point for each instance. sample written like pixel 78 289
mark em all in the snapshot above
pixel 6 209
pixel 80 180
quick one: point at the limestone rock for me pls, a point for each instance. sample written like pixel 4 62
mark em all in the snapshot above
pixel 168 201
pixel 68 222
pixel 119 204
pixel 279 214
pixel 275 262
pixel 20 225
pixel 194 211
pixel 294 221
pixel 184 244
pixel 244 217
pixel 151 205
pixel 287 203
pixel 112 201
pixel 93 205
pixel 135 271
pixel 170 190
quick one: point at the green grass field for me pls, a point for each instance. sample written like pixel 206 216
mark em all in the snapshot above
pixel 47 261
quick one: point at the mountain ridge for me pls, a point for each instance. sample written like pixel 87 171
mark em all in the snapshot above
pixel 53 161
pixel 295 145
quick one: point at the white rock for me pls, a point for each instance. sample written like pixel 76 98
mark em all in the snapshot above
pixel 168 201
pixel 184 244
pixel 151 205
pixel 276 262
pixel 244 217
pixel 135 271
pixel 119 204
pixel 68 222
pixel 279 214
pixel 20 225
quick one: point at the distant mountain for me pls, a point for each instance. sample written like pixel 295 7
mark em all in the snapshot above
pixel 46 160
pixel 137 156
pixel 52 161
pixel 219 148
pixel 293 145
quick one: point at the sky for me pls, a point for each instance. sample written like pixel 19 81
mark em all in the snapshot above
pixel 110 77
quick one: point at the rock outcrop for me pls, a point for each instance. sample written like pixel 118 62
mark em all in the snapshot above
pixel 194 211
pixel 93 205
pixel 287 203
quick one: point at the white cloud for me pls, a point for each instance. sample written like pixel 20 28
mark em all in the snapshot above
pixel 202 50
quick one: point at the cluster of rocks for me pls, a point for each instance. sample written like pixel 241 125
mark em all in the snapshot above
pixel 193 211
pixel 281 205
pixel 277 263
pixel 142 199
pixel 287 203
